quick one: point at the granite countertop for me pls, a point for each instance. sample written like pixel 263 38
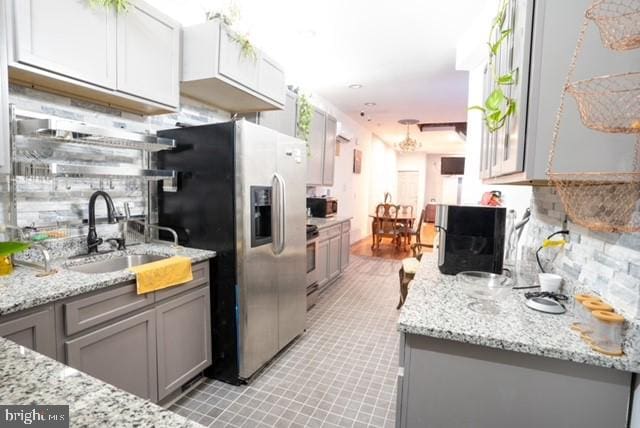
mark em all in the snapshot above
pixel 23 289
pixel 323 222
pixel 28 377
pixel 437 307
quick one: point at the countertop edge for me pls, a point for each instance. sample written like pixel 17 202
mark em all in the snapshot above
pixel 412 320
pixel 95 284
pixel 43 380
pixel 521 347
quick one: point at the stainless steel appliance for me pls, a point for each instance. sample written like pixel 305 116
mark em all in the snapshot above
pixel 240 194
pixel 471 238
pixel 312 265
pixel 323 207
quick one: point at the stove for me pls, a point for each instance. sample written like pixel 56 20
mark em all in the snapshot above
pixel 312 265
pixel 312 232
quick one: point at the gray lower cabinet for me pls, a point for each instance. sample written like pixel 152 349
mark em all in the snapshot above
pixel 184 339
pixel 122 354
pixel 334 257
pixel 333 252
pixel 345 250
pixel 444 383
pixel 323 263
pixel 34 330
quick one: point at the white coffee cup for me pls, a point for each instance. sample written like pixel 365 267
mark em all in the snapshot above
pixel 550 282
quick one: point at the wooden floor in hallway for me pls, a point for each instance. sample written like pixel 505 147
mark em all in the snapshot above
pixel 389 251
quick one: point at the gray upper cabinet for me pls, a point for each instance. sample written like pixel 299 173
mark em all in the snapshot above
pixel 4 95
pixel 328 168
pixel 216 71
pixel 184 339
pixel 270 80
pixel 129 60
pixel 315 160
pixel 541 46
pixel 149 54
pixel 322 149
pixel 122 354
pixel 34 330
pixel 283 121
pixel 234 64
pixel 80 44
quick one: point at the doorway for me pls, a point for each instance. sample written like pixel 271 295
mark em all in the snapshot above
pixel 408 185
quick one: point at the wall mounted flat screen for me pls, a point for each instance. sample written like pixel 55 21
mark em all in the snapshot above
pixel 452 166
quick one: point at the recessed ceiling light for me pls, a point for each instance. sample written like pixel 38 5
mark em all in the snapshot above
pixel 355 86
pixel 370 104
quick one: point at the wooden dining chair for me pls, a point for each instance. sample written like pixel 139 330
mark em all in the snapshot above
pixel 408 270
pixel 385 224
pixel 408 233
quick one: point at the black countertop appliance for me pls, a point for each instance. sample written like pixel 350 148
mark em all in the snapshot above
pixel 470 238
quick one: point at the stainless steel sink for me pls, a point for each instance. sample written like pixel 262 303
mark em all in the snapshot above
pixel 116 263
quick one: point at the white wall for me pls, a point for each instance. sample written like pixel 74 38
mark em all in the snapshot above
pixel 383 173
pixel 416 161
pixel 440 189
pixel 352 190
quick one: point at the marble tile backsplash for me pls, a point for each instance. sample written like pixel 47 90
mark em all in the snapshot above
pixel 605 263
pixel 43 201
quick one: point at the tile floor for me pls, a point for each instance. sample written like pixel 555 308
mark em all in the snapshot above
pixel 340 373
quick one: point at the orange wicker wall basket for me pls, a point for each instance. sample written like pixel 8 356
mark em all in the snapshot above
pixel 604 201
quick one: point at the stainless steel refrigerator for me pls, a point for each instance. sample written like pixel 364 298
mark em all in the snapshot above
pixel 241 192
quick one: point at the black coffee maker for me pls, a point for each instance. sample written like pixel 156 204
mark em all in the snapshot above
pixel 470 238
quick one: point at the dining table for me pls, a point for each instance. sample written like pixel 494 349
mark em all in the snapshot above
pixel 404 218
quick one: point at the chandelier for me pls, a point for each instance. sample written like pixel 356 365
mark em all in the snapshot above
pixel 408 144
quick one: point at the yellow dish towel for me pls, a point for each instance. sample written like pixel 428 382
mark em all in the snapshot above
pixel 162 274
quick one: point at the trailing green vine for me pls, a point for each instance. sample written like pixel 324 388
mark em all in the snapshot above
pixel 247 50
pixel 305 111
pixel 498 106
pixel 118 5
pixel 229 17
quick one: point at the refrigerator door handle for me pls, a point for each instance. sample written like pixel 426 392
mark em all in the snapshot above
pixel 283 212
pixel 275 214
pixel 279 221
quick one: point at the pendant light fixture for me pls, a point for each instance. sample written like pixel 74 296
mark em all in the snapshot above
pixel 408 144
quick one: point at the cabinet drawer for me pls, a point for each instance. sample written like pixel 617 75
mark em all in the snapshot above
pixel 346 226
pixel 34 330
pixel 200 277
pixel 329 232
pixel 90 311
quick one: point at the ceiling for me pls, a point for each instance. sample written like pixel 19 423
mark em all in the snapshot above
pixel 402 52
